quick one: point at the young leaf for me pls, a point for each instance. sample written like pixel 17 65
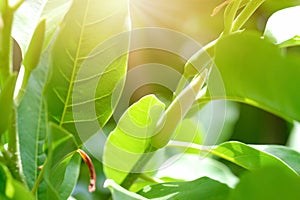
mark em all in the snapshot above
pixel 177 110
pixel 32 56
pixel 88 63
pixel 282 26
pixel 249 157
pixel 131 138
pixel 251 77
pixel 31 12
pixel 203 188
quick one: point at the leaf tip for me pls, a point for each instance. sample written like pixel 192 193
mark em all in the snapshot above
pixel 89 163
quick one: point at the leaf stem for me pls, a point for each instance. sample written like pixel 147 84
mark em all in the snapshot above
pixel 189 68
pixel 245 14
pixel 7 15
pixel 39 178
pixel 5 49
pixel 229 15
pixel 136 171
pixel 14 163
pixel 17 5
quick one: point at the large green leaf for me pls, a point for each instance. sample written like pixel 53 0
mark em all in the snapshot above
pixel 10 189
pixel 249 157
pixel 282 27
pixel 131 138
pixel 203 188
pixel 31 12
pixel 61 169
pixel 89 61
pixel 254 71
pixel 269 182
pixel 287 155
pixel 32 120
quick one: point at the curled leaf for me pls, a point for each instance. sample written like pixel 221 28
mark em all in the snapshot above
pixel 89 163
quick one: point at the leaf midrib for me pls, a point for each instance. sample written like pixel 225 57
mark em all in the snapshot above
pixel 74 66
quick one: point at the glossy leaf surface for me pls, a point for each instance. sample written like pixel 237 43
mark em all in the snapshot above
pixel 249 157
pixel 203 188
pixel 131 138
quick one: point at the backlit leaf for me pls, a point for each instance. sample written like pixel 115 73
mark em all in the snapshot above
pixel 254 71
pixel 31 12
pixel 130 139
pixel 89 60
pixel 249 157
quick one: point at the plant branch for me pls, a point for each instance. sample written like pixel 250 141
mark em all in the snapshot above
pixel 13 148
pixel 39 178
pixel 5 49
pixel 136 171
pixel 189 68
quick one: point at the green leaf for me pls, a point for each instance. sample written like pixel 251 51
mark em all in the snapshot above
pixel 269 182
pixel 128 142
pixel 62 166
pixel 11 189
pixel 119 193
pixel 249 157
pixel 177 111
pixel 32 56
pixel 203 188
pixel 251 76
pixel 7 104
pixel 32 123
pixel 193 166
pixel 287 155
pixel 89 60
pixel 282 27
pixel 31 12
